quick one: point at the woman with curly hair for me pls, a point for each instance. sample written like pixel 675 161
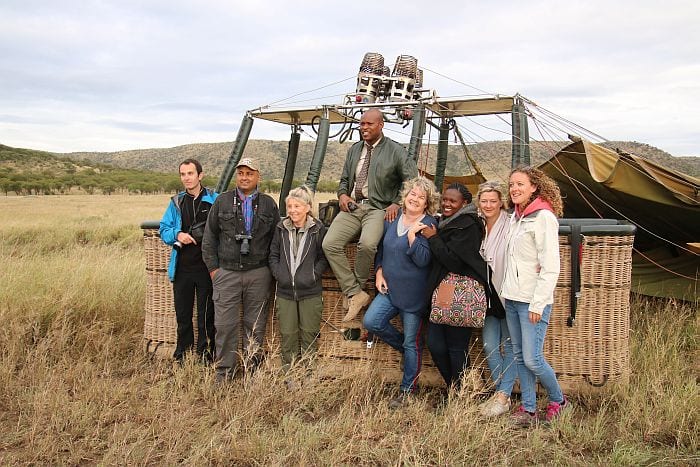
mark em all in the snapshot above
pixel 531 273
pixel 402 265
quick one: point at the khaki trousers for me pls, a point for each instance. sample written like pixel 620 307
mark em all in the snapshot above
pixel 366 221
pixel 300 324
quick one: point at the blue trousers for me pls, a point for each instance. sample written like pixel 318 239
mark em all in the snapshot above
pixel 503 368
pixel 528 348
pixel 409 343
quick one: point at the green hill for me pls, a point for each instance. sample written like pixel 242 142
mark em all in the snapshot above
pixel 26 171
pixel 493 157
pixel 155 170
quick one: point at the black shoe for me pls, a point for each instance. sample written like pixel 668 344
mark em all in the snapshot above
pixel 255 361
pixel 206 359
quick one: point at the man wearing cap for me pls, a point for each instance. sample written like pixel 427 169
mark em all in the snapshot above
pixel 235 249
pixel 368 194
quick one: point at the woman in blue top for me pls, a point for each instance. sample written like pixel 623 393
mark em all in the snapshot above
pixel 402 265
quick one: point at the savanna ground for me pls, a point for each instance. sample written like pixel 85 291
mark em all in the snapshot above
pixel 77 388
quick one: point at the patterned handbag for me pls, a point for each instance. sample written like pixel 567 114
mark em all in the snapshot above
pixel 459 301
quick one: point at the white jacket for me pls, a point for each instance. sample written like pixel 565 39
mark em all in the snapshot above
pixel 532 260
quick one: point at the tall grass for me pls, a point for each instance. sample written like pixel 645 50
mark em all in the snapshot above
pixel 76 386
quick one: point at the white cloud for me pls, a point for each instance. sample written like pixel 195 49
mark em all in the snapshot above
pixel 113 75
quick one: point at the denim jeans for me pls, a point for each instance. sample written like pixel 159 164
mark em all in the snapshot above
pixel 528 345
pixel 409 343
pixel 503 367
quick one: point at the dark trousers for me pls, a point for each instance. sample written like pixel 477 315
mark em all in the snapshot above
pixel 449 347
pixel 185 286
pixel 231 290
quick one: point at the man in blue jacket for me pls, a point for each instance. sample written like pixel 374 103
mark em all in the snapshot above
pixel 182 227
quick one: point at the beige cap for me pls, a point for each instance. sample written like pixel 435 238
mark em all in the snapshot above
pixel 250 163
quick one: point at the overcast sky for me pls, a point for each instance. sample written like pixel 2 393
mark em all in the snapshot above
pixel 106 75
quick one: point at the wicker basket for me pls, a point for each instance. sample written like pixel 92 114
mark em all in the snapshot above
pixel 588 354
pixel 595 349
pixel 160 326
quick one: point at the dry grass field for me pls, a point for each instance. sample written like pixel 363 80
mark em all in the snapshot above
pixel 77 388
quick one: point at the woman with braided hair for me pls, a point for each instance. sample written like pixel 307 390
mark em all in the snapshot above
pixel 455 246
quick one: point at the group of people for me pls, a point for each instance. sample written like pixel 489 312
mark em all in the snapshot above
pixel 392 213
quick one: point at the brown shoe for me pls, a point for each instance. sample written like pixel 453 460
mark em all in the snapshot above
pixel 355 304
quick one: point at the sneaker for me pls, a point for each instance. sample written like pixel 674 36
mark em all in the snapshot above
pixel 494 407
pixel 523 418
pixel 555 409
pixel 355 304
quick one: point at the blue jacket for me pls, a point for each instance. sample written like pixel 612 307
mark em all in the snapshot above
pixel 171 224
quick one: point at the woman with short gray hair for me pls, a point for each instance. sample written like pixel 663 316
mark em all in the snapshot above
pixel 297 263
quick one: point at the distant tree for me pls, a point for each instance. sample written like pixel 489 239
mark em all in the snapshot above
pixel 150 187
pixel 209 181
pixel 134 188
pixel 108 187
pixel 173 185
pixel 22 188
pixel 270 185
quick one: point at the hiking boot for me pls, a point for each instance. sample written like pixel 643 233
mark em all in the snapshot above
pixel 523 418
pixel 555 410
pixel 494 407
pixel 355 304
pixel 398 401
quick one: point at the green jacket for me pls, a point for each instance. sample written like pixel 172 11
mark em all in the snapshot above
pixel 389 168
